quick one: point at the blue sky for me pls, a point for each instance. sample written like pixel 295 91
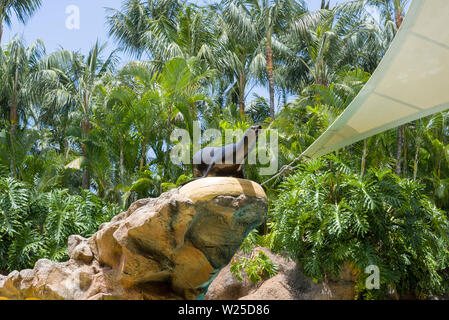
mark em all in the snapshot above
pixel 49 24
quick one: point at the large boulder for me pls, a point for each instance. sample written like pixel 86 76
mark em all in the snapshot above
pixel 165 248
pixel 288 284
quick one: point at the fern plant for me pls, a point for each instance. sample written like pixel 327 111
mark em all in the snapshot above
pixel 35 227
pixel 13 205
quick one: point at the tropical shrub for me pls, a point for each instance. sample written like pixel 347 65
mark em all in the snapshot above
pixel 326 215
pixel 257 266
pixel 32 228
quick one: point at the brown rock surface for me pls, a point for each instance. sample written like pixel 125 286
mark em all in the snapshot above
pixel 164 248
pixel 288 284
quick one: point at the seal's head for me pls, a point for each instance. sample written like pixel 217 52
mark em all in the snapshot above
pixel 257 130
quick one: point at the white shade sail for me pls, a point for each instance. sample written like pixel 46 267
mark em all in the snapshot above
pixel 411 82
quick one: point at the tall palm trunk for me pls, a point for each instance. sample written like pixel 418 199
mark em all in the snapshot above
pixel 85 129
pixel 399 18
pixel 269 57
pixel 122 160
pixel 242 87
pixel 270 74
pixel 221 97
pixel 362 170
pixel 399 150
pixel 144 154
pixel 13 119
pixel 405 161
pixel 195 111
pixel 1 23
pixel 415 165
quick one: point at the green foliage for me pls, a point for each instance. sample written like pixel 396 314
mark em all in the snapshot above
pixel 257 266
pixel 327 215
pixel 13 201
pixel 32 229
pixel 86 140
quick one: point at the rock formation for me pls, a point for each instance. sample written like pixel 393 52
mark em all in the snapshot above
pixel 288 284
pixel 164 248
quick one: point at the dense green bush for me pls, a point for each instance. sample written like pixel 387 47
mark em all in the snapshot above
pixel 327 215
pixel 37 225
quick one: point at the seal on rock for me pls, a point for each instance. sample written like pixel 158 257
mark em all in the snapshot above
pixel 226 161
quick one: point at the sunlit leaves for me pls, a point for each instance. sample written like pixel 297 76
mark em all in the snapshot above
pixel 257 267
pixel 37 226
pixel 13 205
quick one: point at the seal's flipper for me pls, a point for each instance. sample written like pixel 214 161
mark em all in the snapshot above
pixel 208 169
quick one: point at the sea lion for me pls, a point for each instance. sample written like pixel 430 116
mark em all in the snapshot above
pixel 226 161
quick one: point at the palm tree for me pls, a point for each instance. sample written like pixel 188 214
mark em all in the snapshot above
pixel 270 19
pixel 23 9
pixel 155 99
pixel 393 10
pixel 238 56
pixel 333 40
pixel 138 20
pixel 114 121
pixel 70 79
pixel 162 30
pixel 144 111
pixel 16 64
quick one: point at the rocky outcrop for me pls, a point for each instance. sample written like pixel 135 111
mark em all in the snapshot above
pixel 164 248
pixel 288 284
